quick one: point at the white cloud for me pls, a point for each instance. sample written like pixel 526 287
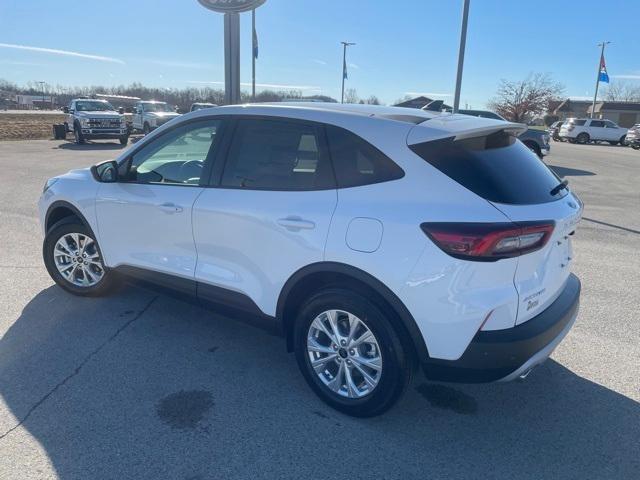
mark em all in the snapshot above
pixel 261 85
pixel 429 94
pixel 626 77
pixel 170 63
pixel 22 64
pixel 318 61
pixel 67 53
pixel 353 65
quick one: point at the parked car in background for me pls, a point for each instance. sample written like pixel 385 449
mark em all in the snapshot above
pixel 200 106
pixel 633 137
pixel 554 130
pixel 91 119
pixel 149 115
pixel 373 240
pixel 536 140
pixel 586 130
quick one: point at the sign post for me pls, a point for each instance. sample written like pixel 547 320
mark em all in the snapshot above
pixel 231 10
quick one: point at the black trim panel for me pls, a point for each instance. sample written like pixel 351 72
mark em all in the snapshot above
pixel 219 300
pixel 494 354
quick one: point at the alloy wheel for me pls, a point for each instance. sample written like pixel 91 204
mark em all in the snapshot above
pixel 344 353
pixel 77 259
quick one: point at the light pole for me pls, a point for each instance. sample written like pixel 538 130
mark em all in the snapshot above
pixel 344 65
pixel 463 43
pixel 42 87
pixel 595 95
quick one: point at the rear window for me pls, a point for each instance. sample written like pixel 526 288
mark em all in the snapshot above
pixel 497 167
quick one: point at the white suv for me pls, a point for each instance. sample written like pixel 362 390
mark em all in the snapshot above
pixel 585 130
pixel 374 239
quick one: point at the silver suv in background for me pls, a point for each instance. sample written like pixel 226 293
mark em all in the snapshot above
pixel 586 130
pixel 149 115
pixel 90 119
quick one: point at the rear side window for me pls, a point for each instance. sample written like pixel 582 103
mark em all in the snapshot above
pixel 357 162
pixel 597 123
pixel 579 123
pixel 497 167
pixel 277 155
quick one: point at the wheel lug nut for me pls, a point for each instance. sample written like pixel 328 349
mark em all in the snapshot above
pixel 343 342
pixel 334 346
pixel 352 352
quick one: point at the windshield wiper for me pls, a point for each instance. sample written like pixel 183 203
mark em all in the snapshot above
pixel 563 184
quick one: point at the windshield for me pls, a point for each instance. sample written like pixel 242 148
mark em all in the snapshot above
pixel 157 107
pixel 93 106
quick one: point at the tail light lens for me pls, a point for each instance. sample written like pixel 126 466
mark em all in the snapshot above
pixel 489 241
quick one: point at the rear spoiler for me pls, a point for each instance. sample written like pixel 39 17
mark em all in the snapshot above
pixel 460 127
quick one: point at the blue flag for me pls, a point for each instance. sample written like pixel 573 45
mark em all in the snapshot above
pixel 604 76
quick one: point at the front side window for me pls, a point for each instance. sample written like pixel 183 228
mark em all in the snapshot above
pixel 357 162
pixel 610 124
pixel 178 157
pixel 157 107
pixel 270 154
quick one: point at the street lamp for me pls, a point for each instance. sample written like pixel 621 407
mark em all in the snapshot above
pixel 344 65
pixel 42 87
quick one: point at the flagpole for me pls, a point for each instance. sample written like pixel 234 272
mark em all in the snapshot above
pixel 595 96
pixel 463 43
pixel 253 55
pixel 344 65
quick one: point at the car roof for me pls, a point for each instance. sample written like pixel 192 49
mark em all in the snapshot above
pixel 151 101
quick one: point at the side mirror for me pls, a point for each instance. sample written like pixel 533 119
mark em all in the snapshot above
pixel 121 110
pixel 105 172
pixel 65 109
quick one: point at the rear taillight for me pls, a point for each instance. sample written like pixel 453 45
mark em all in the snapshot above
pixel 488 241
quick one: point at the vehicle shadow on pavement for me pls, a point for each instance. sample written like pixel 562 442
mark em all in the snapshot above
pixel 144 386
pixel 570 172
pixel 91 146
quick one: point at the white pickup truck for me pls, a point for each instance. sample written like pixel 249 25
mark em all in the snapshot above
pixel 149 115
pixel 90 119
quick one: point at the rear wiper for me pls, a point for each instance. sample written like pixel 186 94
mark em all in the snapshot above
pixel 563 184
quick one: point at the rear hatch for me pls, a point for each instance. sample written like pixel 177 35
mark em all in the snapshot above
pixel 567 127
pixel 499 168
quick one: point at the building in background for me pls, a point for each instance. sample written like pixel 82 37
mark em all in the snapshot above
pixel 625 114
pixel 570 109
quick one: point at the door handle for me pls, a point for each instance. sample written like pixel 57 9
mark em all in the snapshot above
pixel 296 224
pixel 169 207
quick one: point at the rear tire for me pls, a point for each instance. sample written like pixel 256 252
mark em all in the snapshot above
pixel 360 389
pixel 124 139
pixel 74 260
pixel 583 138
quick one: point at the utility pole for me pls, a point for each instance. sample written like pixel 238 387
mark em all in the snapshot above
pixel 595 96
pixel 463 44
pixel 344 65
pixel 253 55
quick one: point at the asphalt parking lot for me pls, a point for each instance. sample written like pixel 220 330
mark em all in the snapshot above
pixel 140 385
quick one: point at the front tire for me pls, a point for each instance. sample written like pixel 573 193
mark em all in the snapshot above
pixel 124 139
pixel 623 140
pixel 146 129
pixel 350 353
pixel 77 135
pixel 74 260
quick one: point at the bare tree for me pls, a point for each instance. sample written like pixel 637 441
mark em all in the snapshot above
pixel 351 96
pixel 518 101
pixel 619 91
pixel 372 100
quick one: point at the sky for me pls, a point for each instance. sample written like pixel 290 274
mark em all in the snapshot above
pixel 403 47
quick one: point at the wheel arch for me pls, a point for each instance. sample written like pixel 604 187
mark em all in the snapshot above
pixel 322 275
pixel 60 211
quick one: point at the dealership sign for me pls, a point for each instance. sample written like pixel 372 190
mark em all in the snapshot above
pixel 231 6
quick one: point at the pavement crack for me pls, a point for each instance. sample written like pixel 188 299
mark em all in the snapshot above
pixel 77 370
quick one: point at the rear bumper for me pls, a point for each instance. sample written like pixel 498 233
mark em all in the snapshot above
pixel 503 355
